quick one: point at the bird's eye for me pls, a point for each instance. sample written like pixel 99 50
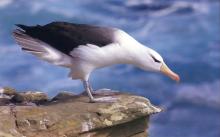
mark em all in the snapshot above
pixel 155 60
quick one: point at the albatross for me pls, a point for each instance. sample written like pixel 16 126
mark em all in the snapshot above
pixel 84 48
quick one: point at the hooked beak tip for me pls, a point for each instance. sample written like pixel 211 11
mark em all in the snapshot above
pixel 176 78
pixel 164 69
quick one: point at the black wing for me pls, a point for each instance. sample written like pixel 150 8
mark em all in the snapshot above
pixel 66 36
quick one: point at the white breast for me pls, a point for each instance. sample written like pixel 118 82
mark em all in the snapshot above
pixel 101 56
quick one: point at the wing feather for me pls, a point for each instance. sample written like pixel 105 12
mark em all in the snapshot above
pixel 65 36
pixel 41 49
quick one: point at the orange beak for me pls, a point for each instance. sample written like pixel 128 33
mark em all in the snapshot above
pixel 165 70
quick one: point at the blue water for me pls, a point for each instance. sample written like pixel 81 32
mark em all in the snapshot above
pixel 186 33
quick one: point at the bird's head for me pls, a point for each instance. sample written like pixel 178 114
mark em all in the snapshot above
pixel 156 63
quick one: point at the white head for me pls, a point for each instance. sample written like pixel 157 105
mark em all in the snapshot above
pixel 154 62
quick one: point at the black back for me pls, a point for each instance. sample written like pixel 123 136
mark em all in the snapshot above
pixel 67 36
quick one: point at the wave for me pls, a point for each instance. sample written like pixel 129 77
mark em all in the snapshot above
pixel 158 8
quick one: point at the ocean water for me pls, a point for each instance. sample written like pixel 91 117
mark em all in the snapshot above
pixel 185 32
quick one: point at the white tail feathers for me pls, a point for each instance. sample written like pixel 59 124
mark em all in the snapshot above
pixel 41 49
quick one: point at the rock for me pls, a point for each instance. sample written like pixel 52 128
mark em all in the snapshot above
pixel 63 96
pixel 7 123
pixel 34 97
pixel 5 95
pixel 4 101
pixel 135 128
pixel 9 95
pixel 8 91
pixel 76 117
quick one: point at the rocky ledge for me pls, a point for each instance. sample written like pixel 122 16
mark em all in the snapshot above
pixel 32 114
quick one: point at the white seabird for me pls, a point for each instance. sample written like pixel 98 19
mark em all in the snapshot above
pixel 83 48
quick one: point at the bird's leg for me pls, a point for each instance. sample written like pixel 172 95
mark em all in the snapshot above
pixel 92 99
pixel 90 88
pixel 87 88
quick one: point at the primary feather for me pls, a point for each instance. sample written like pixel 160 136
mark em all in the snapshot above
pixel 41 49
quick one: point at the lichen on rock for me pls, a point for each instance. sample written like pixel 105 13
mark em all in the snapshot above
pixel 8 91
pixel 30 96
pixel 73 116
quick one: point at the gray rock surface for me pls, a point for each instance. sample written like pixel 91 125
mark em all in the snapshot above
pixel 63 96
pixel 8 91
pixel 30 96
pixel 76 117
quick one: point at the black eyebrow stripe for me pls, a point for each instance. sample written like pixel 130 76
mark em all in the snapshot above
pixel 155 59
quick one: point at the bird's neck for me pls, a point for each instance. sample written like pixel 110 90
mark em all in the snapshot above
pixel 139 56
